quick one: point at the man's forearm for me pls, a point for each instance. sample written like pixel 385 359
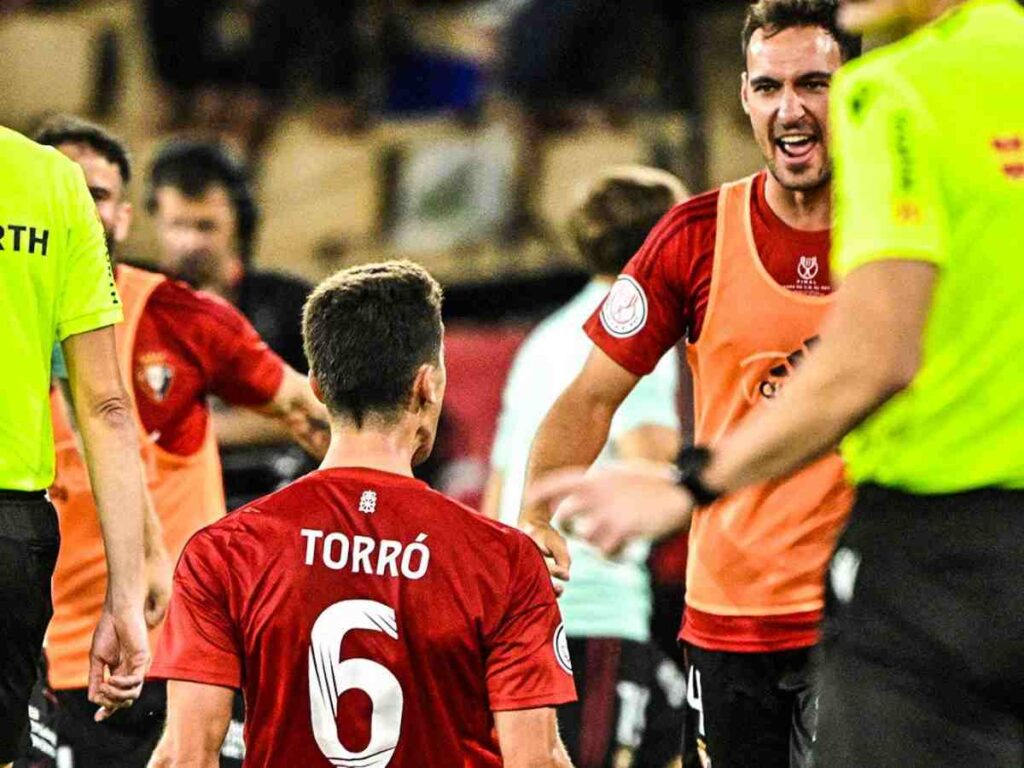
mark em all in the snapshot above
pixel 236 427
pixel 572 434
pixel 110 440
pixel 297 410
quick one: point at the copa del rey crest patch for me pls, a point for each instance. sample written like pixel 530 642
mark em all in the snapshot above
pixel 153 375
pixel 624 311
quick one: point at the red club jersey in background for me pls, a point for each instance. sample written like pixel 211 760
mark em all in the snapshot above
pixel 370 621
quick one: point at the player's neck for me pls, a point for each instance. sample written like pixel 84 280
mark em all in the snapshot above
pixel 389 451
pixel 810 210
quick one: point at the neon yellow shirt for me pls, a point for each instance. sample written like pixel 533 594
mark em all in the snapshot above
pixel 55 281
pixel 929 165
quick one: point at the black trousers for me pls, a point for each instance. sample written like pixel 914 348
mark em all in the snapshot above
pixel 751 710
pixel 29 541
pixel 924 635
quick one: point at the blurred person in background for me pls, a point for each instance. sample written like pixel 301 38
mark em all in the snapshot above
pixel 224 66
pixel 176 347
pixel 607 604
pixel 206 215
pixel 742 274
pixel 566 62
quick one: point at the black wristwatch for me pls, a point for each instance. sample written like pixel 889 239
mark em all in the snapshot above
pixel 691 463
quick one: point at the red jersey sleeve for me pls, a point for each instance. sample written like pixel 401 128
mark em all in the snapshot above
pixel 240 368
pixel 200 642
pixel 660 296
pixel 527 655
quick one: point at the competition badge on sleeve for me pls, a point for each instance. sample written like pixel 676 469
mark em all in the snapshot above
pixel 561 646
pixel 624 311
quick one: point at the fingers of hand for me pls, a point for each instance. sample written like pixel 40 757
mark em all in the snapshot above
pixel 552 488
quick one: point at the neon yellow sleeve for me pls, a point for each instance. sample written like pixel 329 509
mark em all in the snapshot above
pixel 88 297
pixel 888 201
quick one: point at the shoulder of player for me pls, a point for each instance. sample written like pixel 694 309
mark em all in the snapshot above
pixel 698 211
pixel 183 300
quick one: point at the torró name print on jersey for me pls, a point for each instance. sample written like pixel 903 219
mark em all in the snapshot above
pixel 362 554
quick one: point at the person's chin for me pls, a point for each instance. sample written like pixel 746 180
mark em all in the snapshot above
pixel 800 178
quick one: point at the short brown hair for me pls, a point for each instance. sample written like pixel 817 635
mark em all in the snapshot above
pixel 774 16
pixel 367 330
pixel 618 213
pixel 69 129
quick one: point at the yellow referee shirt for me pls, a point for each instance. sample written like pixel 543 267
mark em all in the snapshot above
pixel 55 281
pixel 929 165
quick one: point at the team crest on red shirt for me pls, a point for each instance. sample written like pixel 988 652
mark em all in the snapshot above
pixel 153 375
pixel 624 312
pixel 807 269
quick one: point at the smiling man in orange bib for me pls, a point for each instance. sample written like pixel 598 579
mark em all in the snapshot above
pixel 742 274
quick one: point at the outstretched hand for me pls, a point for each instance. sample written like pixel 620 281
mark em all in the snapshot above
pixel 612 504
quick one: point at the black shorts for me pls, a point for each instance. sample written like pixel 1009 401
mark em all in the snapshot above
pixel 64 734
pixel 924 636
pixel 630 706
pixel 29 541
pixel 751 710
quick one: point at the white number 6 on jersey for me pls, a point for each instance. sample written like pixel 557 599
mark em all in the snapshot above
pixel 329 678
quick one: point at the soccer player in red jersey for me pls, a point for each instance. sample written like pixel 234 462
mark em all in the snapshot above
pixel 369 620
pixel 740 273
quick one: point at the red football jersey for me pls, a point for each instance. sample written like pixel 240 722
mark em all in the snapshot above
pixel 191 344
pixel 674 269
pixel 370 621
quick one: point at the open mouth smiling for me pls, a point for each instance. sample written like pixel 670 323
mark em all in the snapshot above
pixel 797 146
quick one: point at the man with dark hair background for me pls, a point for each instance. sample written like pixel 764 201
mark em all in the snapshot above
pixel 176 347
pixel 207 220
pixel 358 584
pixel 742 274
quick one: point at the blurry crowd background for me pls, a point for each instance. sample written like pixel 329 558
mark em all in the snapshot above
pixel 455 133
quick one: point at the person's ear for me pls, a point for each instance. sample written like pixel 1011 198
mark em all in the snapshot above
pixel 745 93
pixel 427 389
pixel 314 384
